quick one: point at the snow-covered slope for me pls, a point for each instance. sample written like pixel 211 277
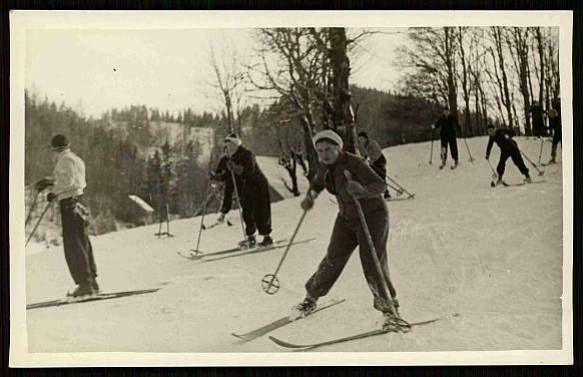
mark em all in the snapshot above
pixel 488 261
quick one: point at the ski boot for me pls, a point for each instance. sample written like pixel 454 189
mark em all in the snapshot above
pixel 442 165
pixel 248 243
pixel 527 179
pixel 455 164
pixel 267 241
pixel 500 181
pixel 95 286
pixel 303 309
pixel 82 291
pixel 387 195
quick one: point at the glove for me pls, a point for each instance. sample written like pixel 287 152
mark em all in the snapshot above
pixel 51 196
pixel 354 188
pixel 221 218
pixel 308 203
pixel 43 183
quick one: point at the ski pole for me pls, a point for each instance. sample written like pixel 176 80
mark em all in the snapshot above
pixel 32 208
pixel 401 187
pixel 270 282
pixel 431 152
pixel 494 174
pixel 383 275
pixel 196 250
pixel 540 172
pixel 38 223
pixel 468 148
pixel 236 189
pixel 397 189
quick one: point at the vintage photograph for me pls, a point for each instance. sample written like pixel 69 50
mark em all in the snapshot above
pixel 291 190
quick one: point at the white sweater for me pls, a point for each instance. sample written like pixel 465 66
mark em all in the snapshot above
pixel 69 175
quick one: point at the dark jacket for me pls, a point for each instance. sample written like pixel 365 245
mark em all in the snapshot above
pixel 332 178
pixel 503 138
pixel 448 125
pixel 537 117
pixel 250 176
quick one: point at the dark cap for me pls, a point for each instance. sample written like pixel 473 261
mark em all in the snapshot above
pixel 59 142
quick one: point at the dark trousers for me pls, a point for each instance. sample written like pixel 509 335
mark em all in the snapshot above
pixel 452 142
pixel 346 235
pixel 256 207
pixel 513 153
pixel 78 249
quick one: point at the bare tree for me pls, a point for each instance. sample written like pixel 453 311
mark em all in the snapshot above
pixel 498 35
pixel 230 81
pixel 519 48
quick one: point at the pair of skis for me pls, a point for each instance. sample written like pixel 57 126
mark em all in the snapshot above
pixel 264 330
pixel 236 251
pixel 504 184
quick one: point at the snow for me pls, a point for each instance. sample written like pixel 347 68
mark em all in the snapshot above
pixel 487 261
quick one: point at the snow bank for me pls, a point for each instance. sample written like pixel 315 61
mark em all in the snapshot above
pixel 487 261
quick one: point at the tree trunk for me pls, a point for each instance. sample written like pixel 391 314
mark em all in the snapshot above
pixel 340 88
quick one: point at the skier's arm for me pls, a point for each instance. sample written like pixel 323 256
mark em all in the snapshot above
pixel 375 151
pixel 489 147
pixel 371 182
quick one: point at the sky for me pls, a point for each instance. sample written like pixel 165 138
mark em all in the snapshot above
pixel 96 70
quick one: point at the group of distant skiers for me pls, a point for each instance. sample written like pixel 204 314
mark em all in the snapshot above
pixel 348 177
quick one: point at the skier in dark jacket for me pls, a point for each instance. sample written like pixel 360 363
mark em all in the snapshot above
pixel 508 148
pixel 448 125
pixel 252 189
pixel 555 126
pixel 348 232
pixel 372 153
pixel 538 123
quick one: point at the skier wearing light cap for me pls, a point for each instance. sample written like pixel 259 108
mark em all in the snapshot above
pixel 348 232
pixel 67 185
pixel 252 189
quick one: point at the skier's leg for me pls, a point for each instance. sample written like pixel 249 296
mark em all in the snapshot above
pixel 248 212
pixel 378 226
pixel 72 256
pixel 79 252
pixel 263 209
pixel 443 153
pixel 342 243
pixel 380 167
pixel 502 163
pixel 453 148
pixel 518 161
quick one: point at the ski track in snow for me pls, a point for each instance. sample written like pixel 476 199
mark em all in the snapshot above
pixel 487 260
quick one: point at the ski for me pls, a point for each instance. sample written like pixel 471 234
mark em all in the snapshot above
pixel 257 333
pixel 399 199
pixel 256 250
pixel 199 254
pixel 548 163
pixel 306 347
pixel 96 297
pixel 504 184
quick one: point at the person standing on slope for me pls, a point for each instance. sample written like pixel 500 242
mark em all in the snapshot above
pixel 555 126
pixel 372 153
pixel 508 148
pixel 68 183
pixel 538 123
pixel 348 233
pixel 448 125
pixel 252 189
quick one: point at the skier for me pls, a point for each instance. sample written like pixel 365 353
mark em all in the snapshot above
pixel 348 232
pixel 68 183
pixel 538 124
pixel 372 153
pixel 555 126
pixel 252 189
pixel 508 148
pixel 448 124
